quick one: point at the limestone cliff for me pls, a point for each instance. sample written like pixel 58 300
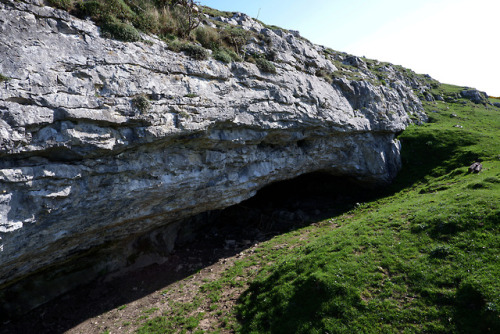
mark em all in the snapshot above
pixel 102 141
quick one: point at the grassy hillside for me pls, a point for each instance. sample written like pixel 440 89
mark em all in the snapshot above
pixel 422 258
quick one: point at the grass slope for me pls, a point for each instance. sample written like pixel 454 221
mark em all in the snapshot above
pixel 423 258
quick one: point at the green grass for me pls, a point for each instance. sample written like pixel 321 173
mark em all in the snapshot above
pixel 215 12
pixel 425 259
pixel 3 78
pixel 494 99
pixel 180 320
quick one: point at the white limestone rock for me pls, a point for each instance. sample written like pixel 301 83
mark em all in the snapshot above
pixel 82 166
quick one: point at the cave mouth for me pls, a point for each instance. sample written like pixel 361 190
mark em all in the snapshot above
pixel 277 208
pixel 201 241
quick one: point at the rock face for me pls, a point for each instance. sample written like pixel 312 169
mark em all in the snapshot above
pixel 475 96
pixel 103 141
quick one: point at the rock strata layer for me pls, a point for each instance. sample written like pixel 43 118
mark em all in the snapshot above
pixel 104 141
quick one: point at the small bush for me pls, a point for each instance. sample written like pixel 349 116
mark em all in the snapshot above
pixel 195 51
pixel 167 24
pixel 234 55
pixel 265 65
pixel 101 10
pixel 147 21
pixel 323 73
pixel 235 38
pixel 112 28
pixel 3 78
pixel 250 59
pixel 119 9
pixel 141 103
pixel 92 8
pixel 176 45
pixel 208 37
pixel 223 56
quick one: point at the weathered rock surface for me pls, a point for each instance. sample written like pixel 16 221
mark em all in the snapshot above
pixel 475 96
pixel 85 171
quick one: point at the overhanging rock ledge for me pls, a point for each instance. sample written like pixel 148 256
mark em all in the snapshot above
pixel 83 169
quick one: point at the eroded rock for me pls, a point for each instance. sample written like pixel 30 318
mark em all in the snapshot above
pixel 475 96
pixel 84 172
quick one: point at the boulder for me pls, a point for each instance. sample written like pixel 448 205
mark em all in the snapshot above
pixel 475 96
pixel 355 61
pixel 429 97
pixel 438 97
pixel 476 167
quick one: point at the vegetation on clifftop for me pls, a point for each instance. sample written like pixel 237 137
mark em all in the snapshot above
pixel 178 22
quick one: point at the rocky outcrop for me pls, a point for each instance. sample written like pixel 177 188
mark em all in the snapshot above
pixel 475 96
pixel 103 141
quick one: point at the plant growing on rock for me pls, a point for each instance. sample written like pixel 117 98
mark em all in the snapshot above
pixel 208 37
pixel 193 50
pixel 118 18
pixel 141 103
pixel 3 78
pixel 114 28
pixel 265 65
pixel 226 55
pixel 235 37
pixel 323 73
pixel 222 56
pixel 187 13
pixel 62 4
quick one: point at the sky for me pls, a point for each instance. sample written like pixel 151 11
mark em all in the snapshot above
pixel 454 41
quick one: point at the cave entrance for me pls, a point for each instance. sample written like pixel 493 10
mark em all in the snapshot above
pixel 277 208
pixel 203 240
